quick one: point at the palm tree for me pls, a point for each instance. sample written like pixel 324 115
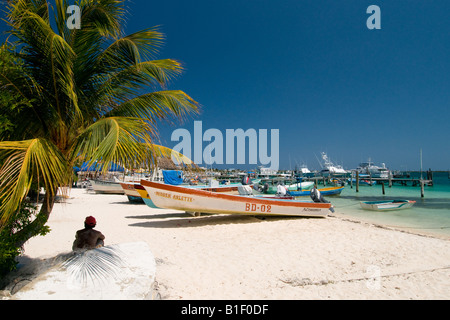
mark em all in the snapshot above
pixel 77 95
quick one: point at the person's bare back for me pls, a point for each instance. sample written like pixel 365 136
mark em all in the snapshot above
pixel 88 238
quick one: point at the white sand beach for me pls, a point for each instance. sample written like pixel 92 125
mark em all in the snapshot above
pixel 243 257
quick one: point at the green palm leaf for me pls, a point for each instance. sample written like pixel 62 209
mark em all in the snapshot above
pixel 23 160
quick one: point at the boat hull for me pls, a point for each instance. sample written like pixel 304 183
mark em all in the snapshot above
pixel 194 200
pixel 387 205
pixel 130 191
pixel 324 191
pixel 145 197
pixel 110 187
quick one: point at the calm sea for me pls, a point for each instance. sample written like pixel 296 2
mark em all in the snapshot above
pixel 430 214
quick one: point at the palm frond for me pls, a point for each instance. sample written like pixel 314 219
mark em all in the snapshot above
pixel 92 266
pixel 177 157
pixel 114 139
pixel 23 160
pixel 132 48
pixel 126 82
pixel 49 58
pixel 123 140
pixel 158 105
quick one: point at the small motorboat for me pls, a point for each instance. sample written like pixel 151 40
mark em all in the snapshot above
pixel 325 191
pixel 387 205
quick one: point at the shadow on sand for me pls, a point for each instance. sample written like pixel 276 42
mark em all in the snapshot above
pixel 185 220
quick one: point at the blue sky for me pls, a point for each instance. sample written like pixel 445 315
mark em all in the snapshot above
pixel 313 70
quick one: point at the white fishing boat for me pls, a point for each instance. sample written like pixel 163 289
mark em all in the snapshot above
pixel 304 169
pixel 387 205
pixel 106 186
pixel 329 168
pixel 370 169
pixel 201 201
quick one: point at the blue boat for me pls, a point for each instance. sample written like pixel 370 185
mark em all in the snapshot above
pixel 324 191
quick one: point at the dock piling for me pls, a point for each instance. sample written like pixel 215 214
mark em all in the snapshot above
pixel 422 188
pixel 357 181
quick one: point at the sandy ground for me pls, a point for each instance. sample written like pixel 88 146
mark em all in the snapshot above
pixel 243 257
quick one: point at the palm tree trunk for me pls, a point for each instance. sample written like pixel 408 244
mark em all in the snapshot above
pixel 41 219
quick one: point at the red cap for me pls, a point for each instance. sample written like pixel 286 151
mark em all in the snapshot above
pixel 90 221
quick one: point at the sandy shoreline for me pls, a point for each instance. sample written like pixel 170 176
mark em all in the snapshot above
pixel 237 257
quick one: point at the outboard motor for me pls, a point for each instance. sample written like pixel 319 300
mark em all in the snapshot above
pixel 317 197
pixel 245 180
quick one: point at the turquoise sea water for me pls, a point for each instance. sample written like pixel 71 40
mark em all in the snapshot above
pixel 430 214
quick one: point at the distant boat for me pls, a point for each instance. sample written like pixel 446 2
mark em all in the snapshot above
pixel 304 169
pixel 362 181
pixel 387 205
pixel 329 168
pixel 201 201
pixel 106 186
pixel 324 191
pixel 372 170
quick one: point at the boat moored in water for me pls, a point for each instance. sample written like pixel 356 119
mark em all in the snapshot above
pixel 371 170
pixel 387 205
pixel 325 191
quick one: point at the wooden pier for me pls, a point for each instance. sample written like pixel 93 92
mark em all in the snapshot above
pixel 390 181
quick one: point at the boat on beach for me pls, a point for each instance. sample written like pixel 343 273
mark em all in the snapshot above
pixel 106 186
pixel 201 201
pixel 387 205
pixel 130 191
pixel 233 189
pixel 145 196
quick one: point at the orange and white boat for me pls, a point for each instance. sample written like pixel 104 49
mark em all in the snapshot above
pixel 130 191
pixel 202 201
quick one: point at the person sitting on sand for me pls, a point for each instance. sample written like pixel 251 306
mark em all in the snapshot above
pixel 88 238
